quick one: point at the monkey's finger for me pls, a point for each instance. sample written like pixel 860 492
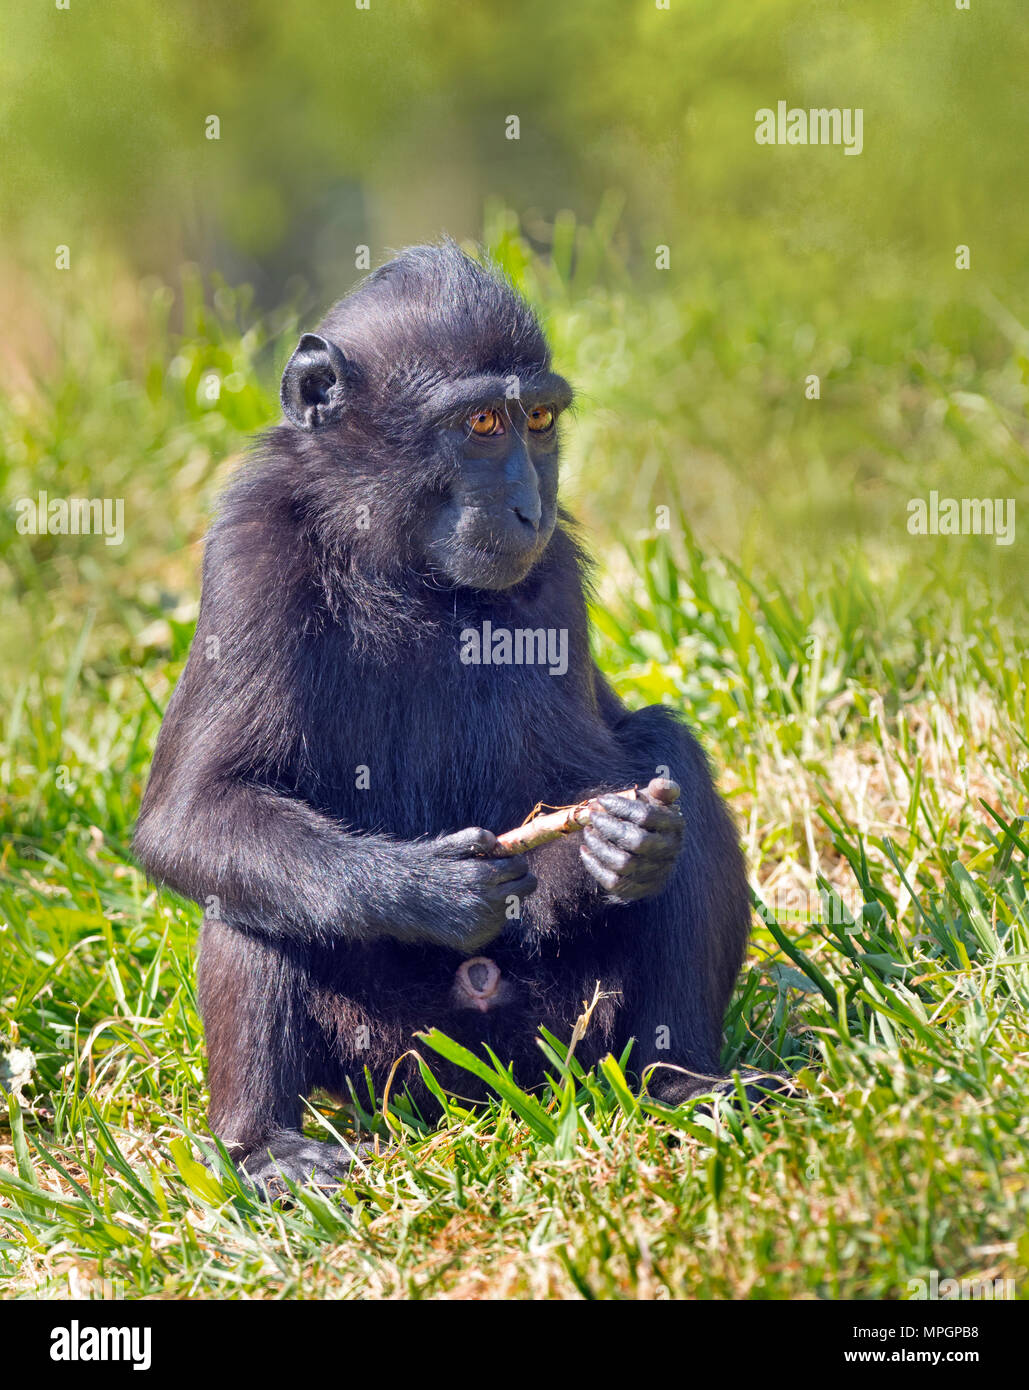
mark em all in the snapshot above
pixel 641 810
pixel 606 849
pixel 623 833
pixel 505 870
pixel 666 839
pixel 474 840
pixel 650 814
pixel 636 877
pixel 663 789
pixel 634 839
pixel 607 878
pixel 520 888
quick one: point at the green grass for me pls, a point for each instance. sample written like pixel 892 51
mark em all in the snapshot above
pixel 865 701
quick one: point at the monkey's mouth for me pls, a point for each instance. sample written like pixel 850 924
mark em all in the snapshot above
pixel 488 562
pixel 492 573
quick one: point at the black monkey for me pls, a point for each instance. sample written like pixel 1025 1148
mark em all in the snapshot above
pixel 333 747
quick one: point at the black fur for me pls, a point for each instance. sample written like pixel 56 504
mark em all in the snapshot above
pixel 322 648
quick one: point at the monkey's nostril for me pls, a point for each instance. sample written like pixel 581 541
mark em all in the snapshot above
pixel 529 520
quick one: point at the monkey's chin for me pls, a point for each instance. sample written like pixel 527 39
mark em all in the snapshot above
pixel 491 573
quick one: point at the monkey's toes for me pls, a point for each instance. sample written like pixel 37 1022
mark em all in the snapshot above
pixel 304 1162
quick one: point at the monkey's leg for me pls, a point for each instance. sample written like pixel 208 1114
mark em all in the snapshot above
pixel 677 1000
pixel 687 952
pixel 260 1041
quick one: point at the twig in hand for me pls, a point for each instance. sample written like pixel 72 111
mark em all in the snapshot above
pixel 540 830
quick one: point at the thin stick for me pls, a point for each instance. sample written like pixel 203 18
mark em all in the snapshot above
pixel 542 829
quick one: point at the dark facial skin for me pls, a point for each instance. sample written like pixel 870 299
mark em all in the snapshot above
pixel 499 516
pixel 345 905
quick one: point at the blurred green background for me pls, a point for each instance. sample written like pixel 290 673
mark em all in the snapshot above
pixel 139 371
pixel 863 691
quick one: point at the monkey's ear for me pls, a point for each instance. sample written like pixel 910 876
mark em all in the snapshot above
pixel 314 383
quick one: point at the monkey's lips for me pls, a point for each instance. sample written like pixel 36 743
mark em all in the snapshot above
pixel 489 562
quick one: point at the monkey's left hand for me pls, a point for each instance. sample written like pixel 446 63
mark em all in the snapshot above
pixel 631 844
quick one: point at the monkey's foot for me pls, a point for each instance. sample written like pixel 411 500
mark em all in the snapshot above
pixel 305 1162
pixel 680 1090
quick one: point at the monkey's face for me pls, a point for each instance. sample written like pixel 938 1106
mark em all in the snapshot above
pixel 498 504
pixel 433 389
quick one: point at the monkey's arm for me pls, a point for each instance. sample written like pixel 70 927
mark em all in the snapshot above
pixel 272 864
pixel 217 826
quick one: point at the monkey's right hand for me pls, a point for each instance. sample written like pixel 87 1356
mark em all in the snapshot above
pixel 468 895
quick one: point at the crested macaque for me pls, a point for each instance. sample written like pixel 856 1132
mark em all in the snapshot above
pixel 332 770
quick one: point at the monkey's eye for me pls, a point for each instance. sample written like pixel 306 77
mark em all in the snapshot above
pixel 485 421
pixel 541 418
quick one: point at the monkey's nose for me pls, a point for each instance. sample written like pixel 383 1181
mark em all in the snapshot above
pixel 531 518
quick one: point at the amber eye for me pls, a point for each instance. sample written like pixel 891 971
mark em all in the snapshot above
pixel 485 421
pixel 541 417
